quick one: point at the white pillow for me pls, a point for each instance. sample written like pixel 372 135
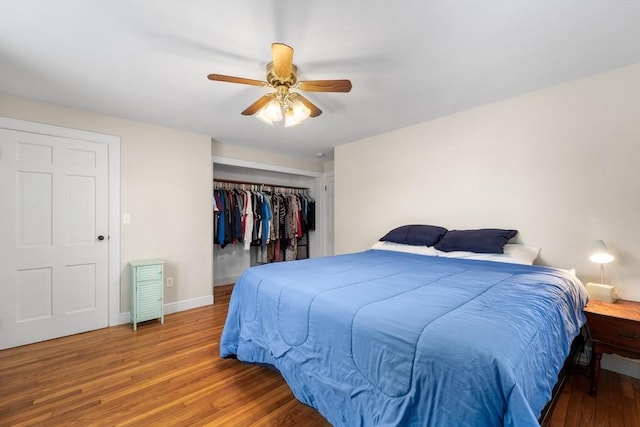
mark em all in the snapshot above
pixel 410 249
pixel 571 271
pixel 513 253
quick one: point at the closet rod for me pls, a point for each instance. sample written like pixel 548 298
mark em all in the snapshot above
pixel 229 181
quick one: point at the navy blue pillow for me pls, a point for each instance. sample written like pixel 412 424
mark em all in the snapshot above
pixel 483 241
pixel 416 235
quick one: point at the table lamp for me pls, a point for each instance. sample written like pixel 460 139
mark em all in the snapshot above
pixel 601 255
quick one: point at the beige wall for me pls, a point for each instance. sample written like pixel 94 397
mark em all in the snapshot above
pixel 281 160
pixel 562 165
pixel 327 166
pixel 165 187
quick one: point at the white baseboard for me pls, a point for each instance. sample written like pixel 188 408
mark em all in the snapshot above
pixel 221 281
pixel 175 307
pixel 621 365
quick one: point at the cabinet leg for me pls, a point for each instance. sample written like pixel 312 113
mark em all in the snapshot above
pixel 596 355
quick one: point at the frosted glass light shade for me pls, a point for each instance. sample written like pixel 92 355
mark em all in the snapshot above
pixel 262 117
pixel 290 118
pixel 296 113
pixel 272 111
pixel 300 111
pixel 600 253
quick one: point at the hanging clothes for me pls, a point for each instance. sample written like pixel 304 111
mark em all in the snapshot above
pixel 247 221
pixel 271 218
pixel 221 219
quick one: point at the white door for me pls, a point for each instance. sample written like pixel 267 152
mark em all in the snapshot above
pixel 53 237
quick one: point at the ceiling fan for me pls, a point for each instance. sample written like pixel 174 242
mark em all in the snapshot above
pixel 284 101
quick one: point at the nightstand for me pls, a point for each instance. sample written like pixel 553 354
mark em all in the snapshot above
pixel 614 328
pixel 145 292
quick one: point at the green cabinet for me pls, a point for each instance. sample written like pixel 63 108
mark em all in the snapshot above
pixel 146 296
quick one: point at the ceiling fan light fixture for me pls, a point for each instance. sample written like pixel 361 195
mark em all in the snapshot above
pixel 262 117
pixel 273 111
pixel 300 110
pixel 282 76
pixel 296 113
pixel 290 118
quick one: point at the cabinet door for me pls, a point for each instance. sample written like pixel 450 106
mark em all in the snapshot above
pixel 149 300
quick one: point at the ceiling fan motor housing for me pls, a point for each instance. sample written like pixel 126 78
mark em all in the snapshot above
pixel 275 80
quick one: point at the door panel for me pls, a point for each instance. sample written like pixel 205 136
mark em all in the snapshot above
pixel 33 199
pixel 54 270
pixel 81 208
pixel 34 294
pixel 82 288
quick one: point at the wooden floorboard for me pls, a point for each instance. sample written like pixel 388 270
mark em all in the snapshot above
pixel 172 375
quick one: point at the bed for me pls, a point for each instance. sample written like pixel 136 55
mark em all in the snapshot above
pixel 388 338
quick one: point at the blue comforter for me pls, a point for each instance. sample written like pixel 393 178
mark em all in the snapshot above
pixel 384 338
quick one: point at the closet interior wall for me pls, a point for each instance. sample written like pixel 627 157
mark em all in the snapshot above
pixel 229 262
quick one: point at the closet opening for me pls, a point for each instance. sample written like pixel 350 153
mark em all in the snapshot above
pixel 288 189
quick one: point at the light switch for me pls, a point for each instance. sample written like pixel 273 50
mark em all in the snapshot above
pixel 126 218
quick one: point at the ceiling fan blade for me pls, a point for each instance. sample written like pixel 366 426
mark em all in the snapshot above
pixel 282 59
pixel 256 106
pixel 315 111
pixel 325 86
pixel 233 79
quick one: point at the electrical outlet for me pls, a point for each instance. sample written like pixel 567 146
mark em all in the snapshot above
pixel 169 282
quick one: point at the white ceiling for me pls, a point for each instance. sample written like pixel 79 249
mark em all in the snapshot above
pixel 409 61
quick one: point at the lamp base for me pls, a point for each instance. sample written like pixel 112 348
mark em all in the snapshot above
pixel 602 292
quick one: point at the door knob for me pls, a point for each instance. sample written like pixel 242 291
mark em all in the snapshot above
pixel 100 237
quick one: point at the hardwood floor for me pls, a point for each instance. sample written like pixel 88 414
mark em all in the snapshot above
pixel 171 375
pixel 617 404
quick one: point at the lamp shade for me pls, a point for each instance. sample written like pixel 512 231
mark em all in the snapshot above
pixel 599 253
pixel 272 111
pixel 296 113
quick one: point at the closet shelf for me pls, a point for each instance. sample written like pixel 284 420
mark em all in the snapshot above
pixel 261 186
